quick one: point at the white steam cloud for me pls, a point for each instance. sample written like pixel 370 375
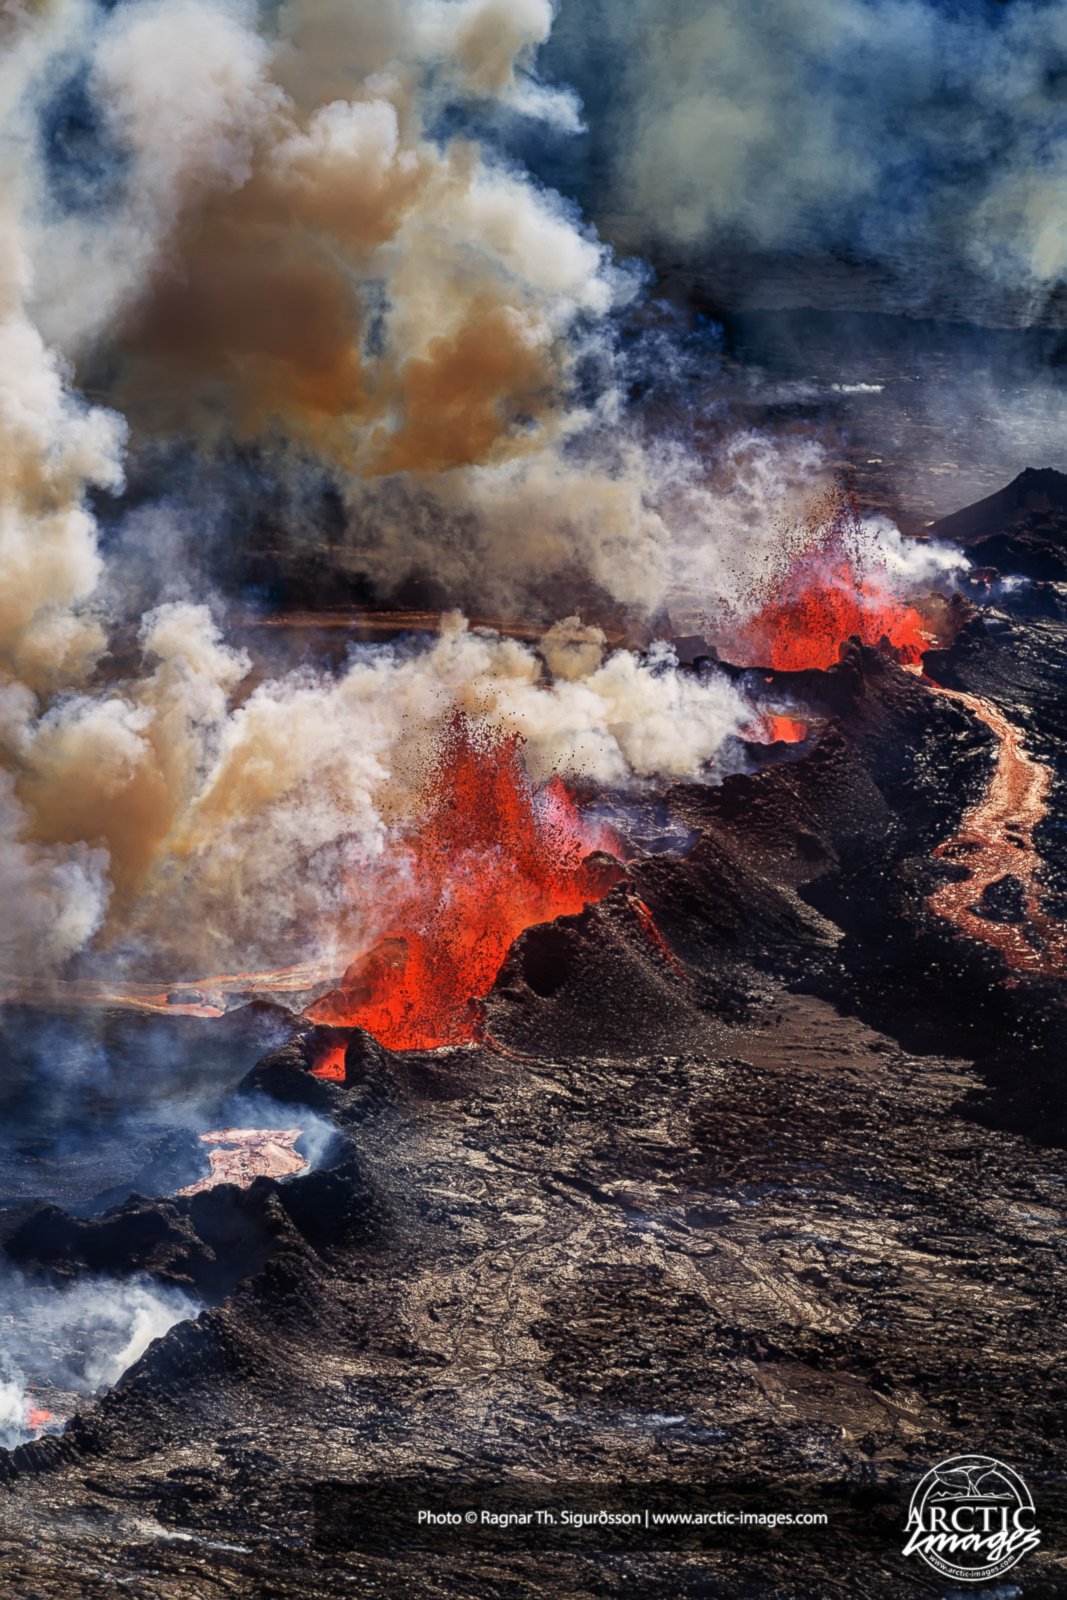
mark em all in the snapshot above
pixel 59 1343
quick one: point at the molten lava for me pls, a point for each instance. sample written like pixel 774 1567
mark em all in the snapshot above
pixel 995 843
pixel 647 923
pixel 813 611
pixel 786 730
pixel 493 855
pixel 772 728
pixel 331 1064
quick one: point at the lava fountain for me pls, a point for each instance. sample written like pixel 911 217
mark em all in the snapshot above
pixel 836 586
pixel 815 608
pixel 492 854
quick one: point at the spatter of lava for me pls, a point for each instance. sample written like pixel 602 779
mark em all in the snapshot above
pixel 826 594
pixel 492 855
pixel 814 609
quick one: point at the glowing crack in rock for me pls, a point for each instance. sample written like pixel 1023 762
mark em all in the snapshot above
pixel 244 1154
pixel 786 730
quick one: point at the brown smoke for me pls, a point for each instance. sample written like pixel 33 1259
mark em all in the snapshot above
pixel 318 268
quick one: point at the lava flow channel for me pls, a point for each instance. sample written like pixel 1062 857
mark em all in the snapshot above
pixel 996 841
pixel 492 855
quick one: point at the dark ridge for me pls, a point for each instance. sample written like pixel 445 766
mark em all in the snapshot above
pixel 1020 529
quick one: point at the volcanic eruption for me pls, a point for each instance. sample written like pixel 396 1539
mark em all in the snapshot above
pixel 816 609
pixel 490 856
pixel 831 581
pixel 535 890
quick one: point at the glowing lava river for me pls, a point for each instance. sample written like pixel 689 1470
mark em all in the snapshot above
pixel 995 841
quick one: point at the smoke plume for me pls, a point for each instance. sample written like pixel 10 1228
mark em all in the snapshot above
pixel 923 137
pixel 74 1340
pixel 280 238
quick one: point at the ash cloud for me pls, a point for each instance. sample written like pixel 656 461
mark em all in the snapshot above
pixel 301 249
pixel 292 251
pixel 922 136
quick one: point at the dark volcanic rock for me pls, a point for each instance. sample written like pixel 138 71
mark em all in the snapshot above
pixel 1003 901
pixel 674 1219
pixel 1022 528
pixel 789 1261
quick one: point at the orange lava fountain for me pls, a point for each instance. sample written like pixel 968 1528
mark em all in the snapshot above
pixel 831 587
pixel 493 855
pixel 813 611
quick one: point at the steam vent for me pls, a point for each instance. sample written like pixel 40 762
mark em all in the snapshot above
pixel 533 805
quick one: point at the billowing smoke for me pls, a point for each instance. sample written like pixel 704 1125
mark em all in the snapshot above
pixel 277 258
pixel 236 833
pixel 53 449
pixel 921 136
pixel 277 233
pixel 905 566
pixel 226 832
pixel 285 236
pixel 645 521
pixel 64 1344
